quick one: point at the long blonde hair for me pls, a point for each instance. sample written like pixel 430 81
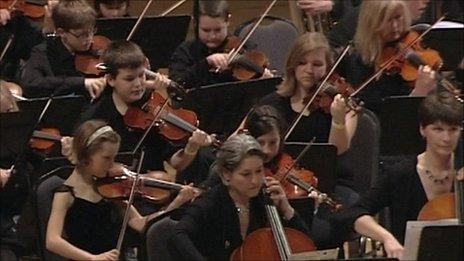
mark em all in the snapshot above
pixel 373 16
pixel 304 44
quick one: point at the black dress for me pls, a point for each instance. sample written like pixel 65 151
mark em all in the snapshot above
pixel 93 227
pixel 210 228
pixel 400 189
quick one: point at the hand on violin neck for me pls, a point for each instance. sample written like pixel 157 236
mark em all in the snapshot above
pixel 338 109
pixel 218 61
pixel 95 86
pixel 426 81
pixel 198 139
pixel 268 73
pixel 66 147
pixel 159 82
pixel 277 195
pixel 186 194
pixel 4 16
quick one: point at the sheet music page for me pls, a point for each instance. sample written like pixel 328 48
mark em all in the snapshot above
pixel 413 234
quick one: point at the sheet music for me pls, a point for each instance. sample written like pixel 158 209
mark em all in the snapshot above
pixel 413 234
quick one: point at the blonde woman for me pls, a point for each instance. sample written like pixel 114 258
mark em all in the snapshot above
pixel 308 62
pixel 380 24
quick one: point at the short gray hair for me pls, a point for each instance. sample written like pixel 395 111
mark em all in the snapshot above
pixel 233 151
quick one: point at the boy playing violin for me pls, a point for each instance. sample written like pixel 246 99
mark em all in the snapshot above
pixel 90 223
pixel 128 87
pixel 51 68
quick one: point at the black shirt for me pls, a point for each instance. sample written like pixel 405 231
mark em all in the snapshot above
pixel 51 70
pixel 400 189
pixel 317 124
pixel 189 66
pixel 157 148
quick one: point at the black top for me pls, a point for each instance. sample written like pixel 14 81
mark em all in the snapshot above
pixel 189 66
pixel 400 189
pixel 317 124
pixel 51 70
pixel 93 227
pixel 210 228
pixel 356 72
pixel 156 147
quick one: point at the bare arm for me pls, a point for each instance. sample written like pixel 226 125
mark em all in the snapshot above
pixel 343 125
pixel 366 225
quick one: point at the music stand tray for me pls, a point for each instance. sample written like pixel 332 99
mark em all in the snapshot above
pixel 15 129
pixel 400 126
pixel 222 107
pixel 157 36
pixel 321 159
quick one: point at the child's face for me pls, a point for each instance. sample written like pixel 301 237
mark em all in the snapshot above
pixel 310 69
pixel 441 138
pixel 212 31
pixel 270 144
pixel 102 160
pixel 79 40
pixel 113 10
pixel 129 84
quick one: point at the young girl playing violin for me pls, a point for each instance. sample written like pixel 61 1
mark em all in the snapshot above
pixel 406 186
pixel 218 221
pixel 51 69
pixel 382 24
pixel 91 224
pixel 307 63
pixel 128 86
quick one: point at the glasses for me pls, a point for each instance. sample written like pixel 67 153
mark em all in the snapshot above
pixel 84 36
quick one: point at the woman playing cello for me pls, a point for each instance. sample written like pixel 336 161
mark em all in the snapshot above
pixel 220 219
pixel 408 185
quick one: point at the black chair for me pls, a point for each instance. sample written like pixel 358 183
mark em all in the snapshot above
pixel 157 238
pixel 274 36
pixel 44 197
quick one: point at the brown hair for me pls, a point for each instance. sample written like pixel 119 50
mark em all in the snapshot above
pixel 440 106
pixel 82 150
pixel 264 119
pixel 306 43
pixel 216 8
pixel 108 2
pixel 121 55
pixel 73 14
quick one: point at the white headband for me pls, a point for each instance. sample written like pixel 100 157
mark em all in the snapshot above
pixel 97 134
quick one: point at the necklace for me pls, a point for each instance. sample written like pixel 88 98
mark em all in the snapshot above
pixel 436 180
pixel 241 209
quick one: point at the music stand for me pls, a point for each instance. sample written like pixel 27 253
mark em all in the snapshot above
pixel 15 129
pixel 157 36
pixel 321 159
pixel 222 107
pixel 442 243
pixel 400 126
pixel 447 40
pixel 62 113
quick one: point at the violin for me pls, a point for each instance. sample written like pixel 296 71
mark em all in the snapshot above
pixel 151 186
pixel 29 8
pixel 174 124
pixel 334 85
pixel 45 138
pixel 410 42
pixel 88 62
pixel 245 65
pixel 299 182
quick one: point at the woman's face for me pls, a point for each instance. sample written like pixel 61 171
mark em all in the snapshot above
pixel 310 69
pixel 270 144
pixel 103 159
pixel 247 179
pixel 393 28
pixel 441 138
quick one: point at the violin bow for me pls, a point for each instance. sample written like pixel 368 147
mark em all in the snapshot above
pixel 318 90
pixel 125 221
pixel 136 25
pixel 173 7
pixel 298 158
pixel 235 52
pixel 392 59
